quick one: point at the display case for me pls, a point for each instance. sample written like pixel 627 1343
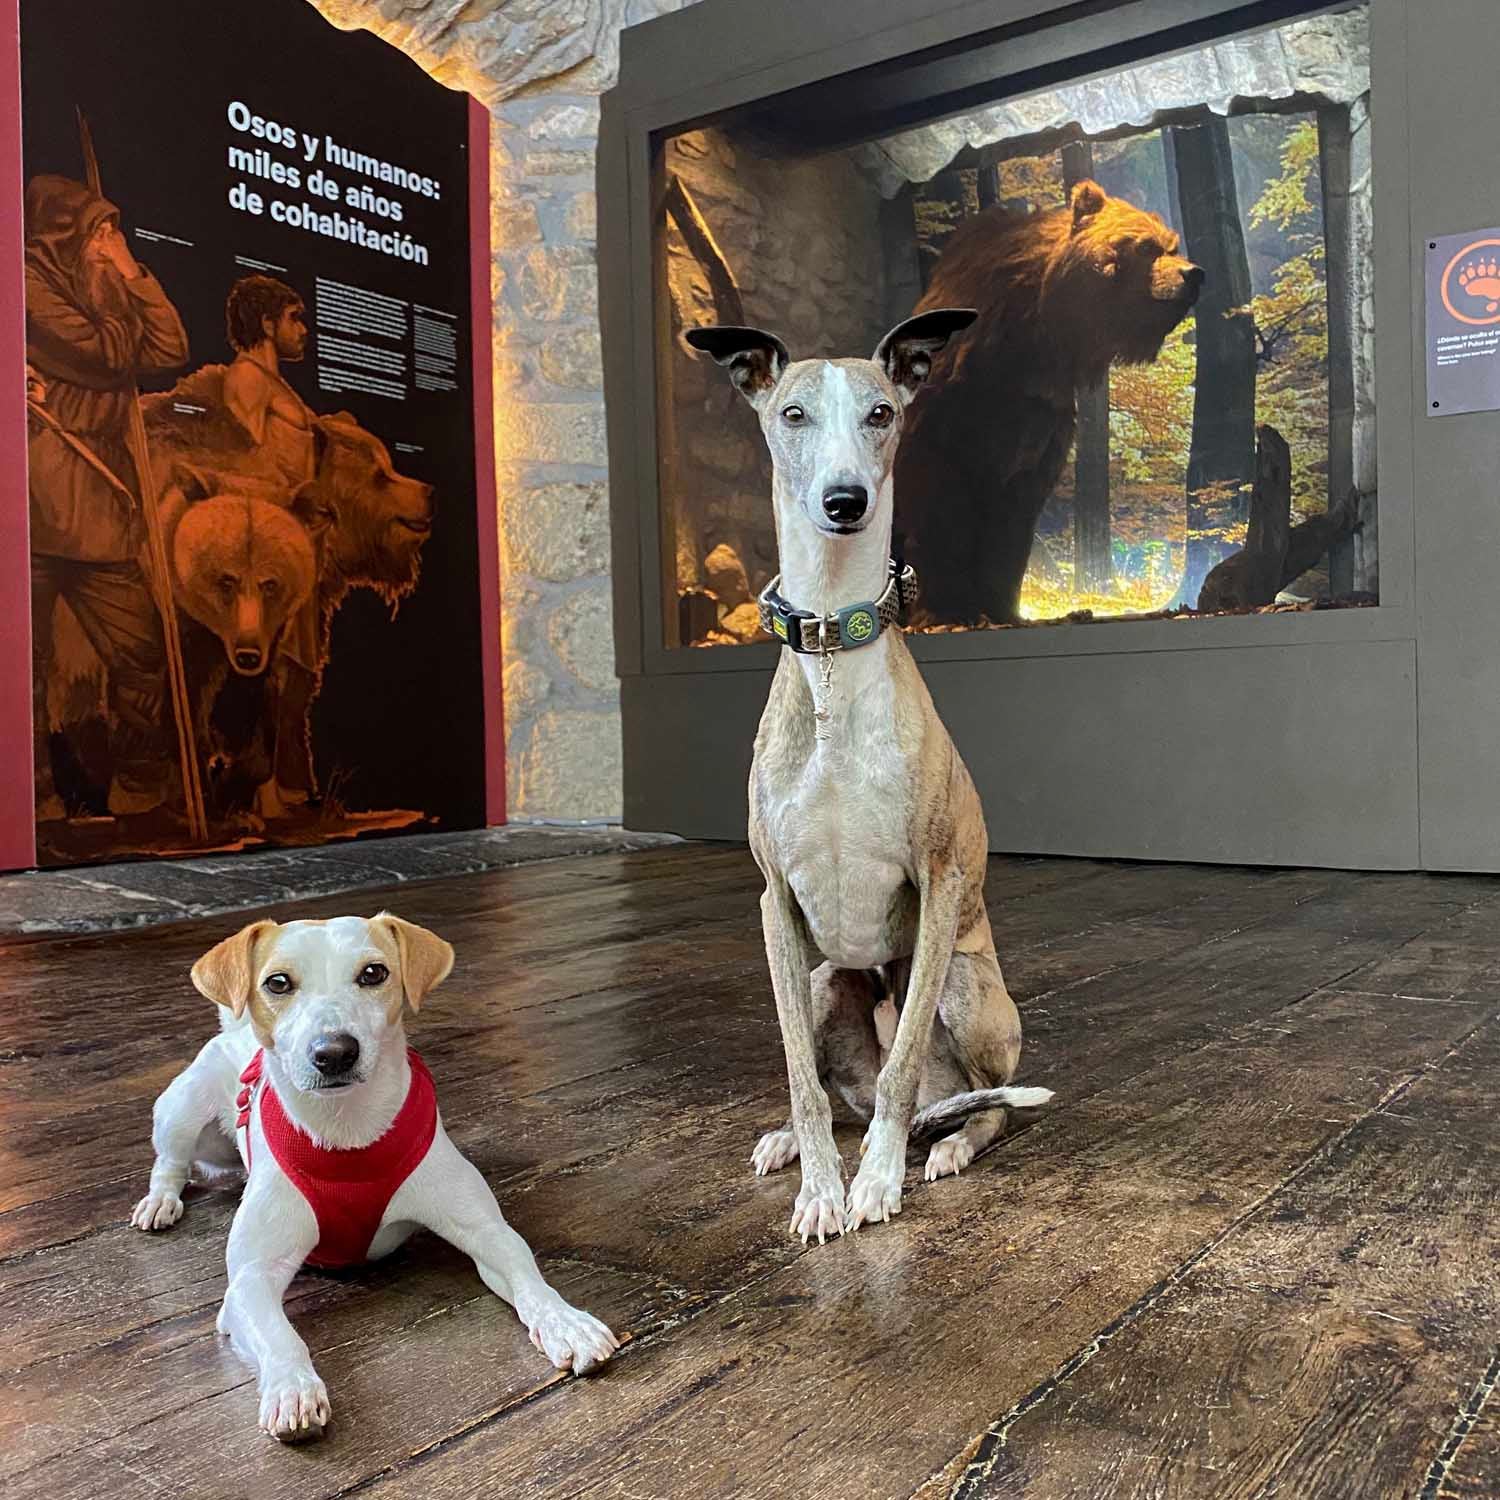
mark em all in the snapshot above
pixel 1193 627
pixel 1156 363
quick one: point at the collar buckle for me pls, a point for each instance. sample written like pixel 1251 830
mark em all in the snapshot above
pixel 782 620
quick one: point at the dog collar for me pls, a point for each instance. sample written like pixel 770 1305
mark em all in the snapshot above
pixel 845 629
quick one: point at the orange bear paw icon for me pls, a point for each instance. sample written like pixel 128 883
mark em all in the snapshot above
pixel 1481 278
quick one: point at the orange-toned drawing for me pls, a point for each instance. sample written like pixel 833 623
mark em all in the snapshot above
pixel 94 318
pixel 255 575
pixel 272 513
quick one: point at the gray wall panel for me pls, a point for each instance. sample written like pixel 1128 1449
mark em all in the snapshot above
pixel 1450 96
pixel 687 750
pixel 1297 755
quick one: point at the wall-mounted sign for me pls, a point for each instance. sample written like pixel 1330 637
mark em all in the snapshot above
pixel 259 595
pixel 1463 322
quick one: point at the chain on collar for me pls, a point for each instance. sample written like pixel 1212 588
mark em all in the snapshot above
pixel 845 629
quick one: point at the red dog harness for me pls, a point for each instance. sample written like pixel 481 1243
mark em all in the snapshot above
pixel 349 1189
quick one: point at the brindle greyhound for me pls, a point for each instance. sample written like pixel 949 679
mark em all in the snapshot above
pixel 863 818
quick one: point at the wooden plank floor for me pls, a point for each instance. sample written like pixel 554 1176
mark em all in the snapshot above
pixel 1252 1251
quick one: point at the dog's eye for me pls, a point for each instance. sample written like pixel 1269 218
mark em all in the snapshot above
pixel 794 415
pixel 228 583
pixel 372 975
pixel 270 587
pixel 882 414
pixel 278 984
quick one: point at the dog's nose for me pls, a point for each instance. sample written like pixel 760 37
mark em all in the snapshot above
pixel 845 503
pixel 247 659
pixel 1194 277
pixel 334 1053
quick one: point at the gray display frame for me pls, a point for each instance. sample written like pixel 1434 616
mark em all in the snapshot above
pixel 1285 739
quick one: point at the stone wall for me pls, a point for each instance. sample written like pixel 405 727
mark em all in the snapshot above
pixel 540 65
pixel 561 697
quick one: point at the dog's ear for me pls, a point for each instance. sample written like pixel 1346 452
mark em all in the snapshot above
pixel 754 357
pixel 426 960
pixel 226 973
pixel 906 352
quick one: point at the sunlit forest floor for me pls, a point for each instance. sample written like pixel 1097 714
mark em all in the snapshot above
pixel 1148 530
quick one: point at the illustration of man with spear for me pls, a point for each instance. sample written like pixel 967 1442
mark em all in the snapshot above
pixel 95 320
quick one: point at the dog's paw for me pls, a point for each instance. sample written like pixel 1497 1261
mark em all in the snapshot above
pixel 294 1408
pixel 819 1211
pixel 777 1149
pixel 157 1210
pixel 875 1193
pixel 572 1339
pixel 948 1157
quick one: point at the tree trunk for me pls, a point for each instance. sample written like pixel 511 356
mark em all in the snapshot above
pixel 1270 526
pixel 1255 575
pixel 1333 168
pixel 988 185
pixel 1275 552
pixel 903 274
pixel 1093 569
pixel 1221 462
pixel 944 205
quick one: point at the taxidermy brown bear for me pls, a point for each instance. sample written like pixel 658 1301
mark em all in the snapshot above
pixel 1061 296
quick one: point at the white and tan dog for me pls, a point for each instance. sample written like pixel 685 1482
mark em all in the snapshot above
pixel 309 1085
pixel 863 819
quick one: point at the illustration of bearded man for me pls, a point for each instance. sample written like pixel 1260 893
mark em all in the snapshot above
pixel 95 319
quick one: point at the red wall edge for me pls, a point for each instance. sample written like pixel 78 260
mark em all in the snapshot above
pixel 17 792
pixel 484 457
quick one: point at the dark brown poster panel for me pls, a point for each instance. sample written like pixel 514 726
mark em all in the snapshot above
pixel 255 576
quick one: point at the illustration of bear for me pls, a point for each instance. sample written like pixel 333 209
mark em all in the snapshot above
pixel 1061 295
pixel 242 568
pixel 373 520
pixel 367 522
pixel 377 519
pixel 364 523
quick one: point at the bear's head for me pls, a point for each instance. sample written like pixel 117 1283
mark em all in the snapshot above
pixel 242 568
pixel 374 521
pixel 1117 278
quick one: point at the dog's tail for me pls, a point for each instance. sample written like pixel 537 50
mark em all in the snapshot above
pixel 938 1119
